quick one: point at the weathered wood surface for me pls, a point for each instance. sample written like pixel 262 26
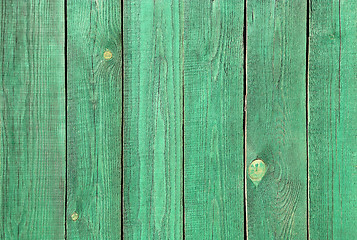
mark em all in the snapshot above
pixel 32 120
pixel 276 119
pixel 94 116
pixel 151 140
pixel 332 120
pixel 152 120
pixel 213 119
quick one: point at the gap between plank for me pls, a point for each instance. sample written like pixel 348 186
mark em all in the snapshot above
pixel 245 93
pixel 66 115
pixel 122 120
pixel 181 8
pixel 307 117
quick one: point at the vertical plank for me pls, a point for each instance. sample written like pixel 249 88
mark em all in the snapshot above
pixel 152 120
pixel 213 119
pixel 94 90
pixel 332 119
pixel 32 120
pixel 276 120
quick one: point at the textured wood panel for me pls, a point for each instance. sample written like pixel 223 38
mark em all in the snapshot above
pixel 332 120
pixel 213 119
pixel 152 120
pixel 94 89
pixel 276 120
pixel 156 94
pixel 32 120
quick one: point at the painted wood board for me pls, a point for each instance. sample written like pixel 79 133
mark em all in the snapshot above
pixel 32 120
pixel 276 120
pixel 159 88
pixel 332 120
pixel 153 120
pixel 94 117
pixel 213 119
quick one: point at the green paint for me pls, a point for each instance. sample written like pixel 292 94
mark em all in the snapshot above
pixel 332 120
pixel 32 120
pixel 213 119
pixel 183 134
pixel 276 118
pixel 152 120
pixel 94 89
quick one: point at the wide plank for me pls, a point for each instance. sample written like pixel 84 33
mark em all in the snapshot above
pixel 32 119
pixel 213 119
pixel 276 120
pixel 94 119
pixel 332 120
pixel 152 120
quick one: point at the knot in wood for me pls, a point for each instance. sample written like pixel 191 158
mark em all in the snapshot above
pixel 256 171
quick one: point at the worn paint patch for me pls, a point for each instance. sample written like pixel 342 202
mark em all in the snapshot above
pixel 256 171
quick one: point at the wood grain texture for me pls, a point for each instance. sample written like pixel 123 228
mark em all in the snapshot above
pixel 276 118
pixel 152 120
pixel 32 120
pixel 94 89
pixel 213 119
pixel 332 120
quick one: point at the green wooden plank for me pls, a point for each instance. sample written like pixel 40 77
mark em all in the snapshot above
pixel 332 120
pixel 276 120
pixel 152 120
pixel 94 91
pixel 32 120
pixel 213 119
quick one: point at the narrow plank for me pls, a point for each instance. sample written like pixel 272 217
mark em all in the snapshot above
pixel 213 119
pixel 332 120
pixel 94 90
pixel 276 120
pixel 32 120
pixel 152 120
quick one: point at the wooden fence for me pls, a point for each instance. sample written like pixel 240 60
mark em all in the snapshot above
pixel 172 119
